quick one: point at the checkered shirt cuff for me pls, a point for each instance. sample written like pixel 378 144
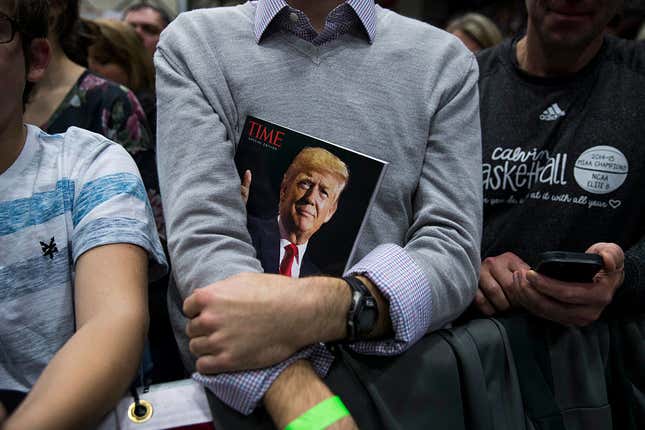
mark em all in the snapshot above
pixel 405 286
pixel 243 391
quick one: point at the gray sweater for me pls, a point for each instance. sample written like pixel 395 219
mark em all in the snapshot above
pixel 410 98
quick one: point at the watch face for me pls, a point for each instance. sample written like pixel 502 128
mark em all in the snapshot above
pixel 363 313
pixel 367 315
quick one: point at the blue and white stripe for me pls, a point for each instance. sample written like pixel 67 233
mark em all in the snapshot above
pixel 96 192
pixel 34 274
pixel 41 207
pixel 105 231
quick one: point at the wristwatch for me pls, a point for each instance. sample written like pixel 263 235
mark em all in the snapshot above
pixel 363 311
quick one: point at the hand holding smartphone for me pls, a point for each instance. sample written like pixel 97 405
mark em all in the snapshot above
pixel 569 266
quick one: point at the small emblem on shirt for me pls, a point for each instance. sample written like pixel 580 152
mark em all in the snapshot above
pixel 49 249
pixel 552 113
pixel 601 170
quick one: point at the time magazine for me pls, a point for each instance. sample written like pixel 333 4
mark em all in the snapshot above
pixel 314 193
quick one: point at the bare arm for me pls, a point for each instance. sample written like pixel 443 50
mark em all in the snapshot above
pixel 91 372
pixel 297 390
pixel 251 321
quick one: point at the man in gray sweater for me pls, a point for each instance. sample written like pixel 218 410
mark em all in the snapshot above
pixel 350 73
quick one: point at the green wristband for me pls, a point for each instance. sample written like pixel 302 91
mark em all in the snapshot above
pixel 320 416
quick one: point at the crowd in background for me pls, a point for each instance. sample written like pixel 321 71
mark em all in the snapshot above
pixel 491 20
pixel 508 15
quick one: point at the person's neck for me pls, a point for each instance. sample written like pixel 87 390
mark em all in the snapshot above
pixel 61 72
pixel 316 11
pixel 537 59
pixel 60 77
pixel 12 140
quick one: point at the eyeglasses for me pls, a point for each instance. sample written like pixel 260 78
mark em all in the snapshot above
pixel 8 28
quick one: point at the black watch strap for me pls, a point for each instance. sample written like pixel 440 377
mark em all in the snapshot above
pixel 363 311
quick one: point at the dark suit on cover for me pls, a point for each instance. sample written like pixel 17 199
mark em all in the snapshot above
pixel 265 234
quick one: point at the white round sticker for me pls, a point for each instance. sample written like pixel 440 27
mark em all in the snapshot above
pixel 601 169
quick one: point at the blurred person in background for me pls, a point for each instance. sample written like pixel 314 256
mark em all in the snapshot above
pixel 70 95
pixel 476 31
pixel 148 21
pixel 117 54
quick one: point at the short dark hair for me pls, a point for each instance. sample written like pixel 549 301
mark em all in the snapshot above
pixel 32 17
pixel 72 32
pixel 165 16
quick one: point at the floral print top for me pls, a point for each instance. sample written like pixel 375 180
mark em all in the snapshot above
pixel 112 110
pixel 103 107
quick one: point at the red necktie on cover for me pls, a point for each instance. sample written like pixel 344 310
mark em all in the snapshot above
pixel 290 253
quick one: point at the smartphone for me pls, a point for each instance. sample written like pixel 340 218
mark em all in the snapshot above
pixel 569 266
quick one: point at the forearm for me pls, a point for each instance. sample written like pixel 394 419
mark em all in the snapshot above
pixel 87 376
pixel 327 302
pixel 324 302
pixel 284 403
pixel 296 390
pixel 243 391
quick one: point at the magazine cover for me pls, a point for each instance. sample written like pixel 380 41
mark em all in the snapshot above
pixel 314 193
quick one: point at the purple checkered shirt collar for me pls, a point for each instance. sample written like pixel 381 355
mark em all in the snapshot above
pixel 342 21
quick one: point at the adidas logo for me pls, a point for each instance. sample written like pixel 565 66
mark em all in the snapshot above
pixel 552 113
